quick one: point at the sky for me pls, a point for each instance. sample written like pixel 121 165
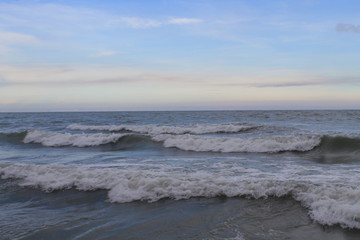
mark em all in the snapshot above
pixel 107 55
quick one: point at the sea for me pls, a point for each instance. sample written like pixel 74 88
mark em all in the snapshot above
pixel 241 175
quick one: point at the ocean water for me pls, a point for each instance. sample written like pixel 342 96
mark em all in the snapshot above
pixel 180 175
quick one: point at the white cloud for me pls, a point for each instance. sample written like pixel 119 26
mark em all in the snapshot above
pixel 9 39
pixel 57 18
pixel 138 23
pixel 4 49
pixel 135 22
pixel 184 20
pixel 90 74
pixel 104 54
pixel 13 37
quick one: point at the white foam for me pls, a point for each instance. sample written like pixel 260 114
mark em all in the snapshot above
pixel 156 129
pixel 54 139
pixel 225 144
pixel 332 196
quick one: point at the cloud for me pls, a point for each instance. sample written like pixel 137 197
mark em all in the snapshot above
pixel 16 38
pixel 60 18
pixel 10 39
pixel 184 20
pixel 350 28
pixel 101 74
pixel 141 23
pixel 312 82
pixel 78 75
pixel 135 22
pixel 303 81
pixel 104 54
pixel 4 49
pixel 286 84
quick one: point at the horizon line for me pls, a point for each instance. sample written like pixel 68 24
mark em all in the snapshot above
pixel 203 110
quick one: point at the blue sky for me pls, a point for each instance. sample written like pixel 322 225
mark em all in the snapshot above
pixel 179 55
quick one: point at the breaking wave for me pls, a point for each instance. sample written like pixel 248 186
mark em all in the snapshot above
pixel 226 145
pixel 340 144
pixel 329 200
pixel 185 142
pixel 13 137
pixel 155 129
pixel 320 145
pixel 53 139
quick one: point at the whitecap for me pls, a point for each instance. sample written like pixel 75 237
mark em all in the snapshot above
pixel 225 144
pixel 329 201
pixel 164 129
pixel 54 139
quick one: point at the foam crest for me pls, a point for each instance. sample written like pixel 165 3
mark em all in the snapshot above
pixel 155 129
pixel 329 201
pixel 53 139
pixel 224 144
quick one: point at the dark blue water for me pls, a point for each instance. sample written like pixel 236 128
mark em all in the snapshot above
pixel 180 175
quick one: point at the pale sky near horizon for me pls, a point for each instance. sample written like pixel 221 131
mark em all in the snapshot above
pixel 88 55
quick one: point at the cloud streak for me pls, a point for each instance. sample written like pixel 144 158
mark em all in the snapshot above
pixel 51 76
pixel 98 74
pixel 104 54
pixel 139 23
pixel 14 37
pixel 142 23
pixel 184 20
pixel 348 28
pixel 323 81
pixel 61 16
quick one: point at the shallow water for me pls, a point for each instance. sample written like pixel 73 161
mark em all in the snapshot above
pixel 180 175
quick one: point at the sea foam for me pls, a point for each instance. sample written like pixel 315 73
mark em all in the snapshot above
pixel 329 200
pixel 54 139
pixel 226 144
pixel 164 129
pixel 187 142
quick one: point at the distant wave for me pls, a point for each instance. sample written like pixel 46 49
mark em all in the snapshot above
pixel 332 196
pixel 155 129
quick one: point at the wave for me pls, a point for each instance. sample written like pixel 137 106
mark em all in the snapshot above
pixel 155 129
pixel 185 142
pixel 345 147
pixel 340 144
pixel 331 145
pixel 331 196
pixel 53 139
pixel 336 149
pixel 226 145
pixel 12 136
